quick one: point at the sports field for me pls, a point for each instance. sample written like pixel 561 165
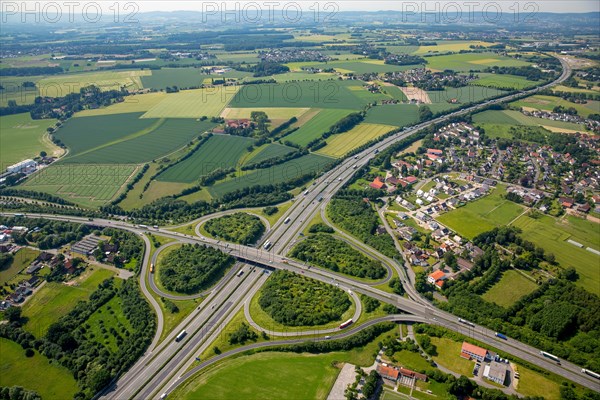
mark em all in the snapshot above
pixel 61 85
pixel 547 103
pixel 56 299
pixel 22 137
pixel 510 117
pixel 272 150
pixel 510 288
pixel 266 376
pixel 305 94
pixel 316 126
pixel 270 176
pixel 393 114
pixel 50 380
pixel 472 61
pixel 503 81
pixel 87 185
pixel 340 144
pixel 552 235
pixel 162 137
pixel 193 103
pixel 220 151
pixel 482 215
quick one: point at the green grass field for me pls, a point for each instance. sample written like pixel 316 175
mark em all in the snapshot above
pixel 361 66
pixel 164 137
pixel 88 185
pixel 510 288
pixel 56 299
pixel 271 150
pixel 534 384
pixel 540 102
pixel 266 376
pixel 110 315
pixel 50 380
pixel 274 113
pixel 472 61
pixel 503 81
pixel 449 356
pixel 296 76
pixel 482 215
pixel 444 46
pixel 316 126
pixel 180 77
pixel 22 137
pixel 509 117
pixel 193 103
pixel 220 151
pixel 411 360
pixel 340 144
pixel 21 260
pixel 270 176
pixel 311 94
pixel 552 234
pixel 393 114
pixel 466 94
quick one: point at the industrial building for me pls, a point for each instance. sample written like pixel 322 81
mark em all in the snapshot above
pixel 24 166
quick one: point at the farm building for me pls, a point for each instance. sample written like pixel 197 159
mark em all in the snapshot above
pixel 472 352
pixel 86 246
pixel 23 166
pixel 496 372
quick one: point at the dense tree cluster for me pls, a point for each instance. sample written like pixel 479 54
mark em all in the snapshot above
pixel 320 227
pixel 30 194
pixel 129 244
pixel 240 228
pixel 325 251
pixel 295 300
pixel 192 268
pixel 350 212
pixel 30 71
pixel 49 234
pixel 5 260
pixel 529 72
pixel 242 335
pixel 18 393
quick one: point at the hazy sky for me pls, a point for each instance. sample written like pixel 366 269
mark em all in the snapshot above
pixel 354 5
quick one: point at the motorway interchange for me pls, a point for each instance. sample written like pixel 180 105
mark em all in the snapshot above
pixel 166 365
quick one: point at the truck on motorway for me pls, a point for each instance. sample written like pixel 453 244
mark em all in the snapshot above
pixel 464 321
pixel 590 373
pixel 180 336
pixel 143 226
pixel 267 245
pixel 306 193
pixel 287 220
pixel 550 356
pixel 501 335
pixel 18 215
pixel 240 273
pixel 346 324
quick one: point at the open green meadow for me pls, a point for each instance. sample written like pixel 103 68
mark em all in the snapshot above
pixel 220 151
pixel 56 299
pixel 110 315
pixel 272 150
pixel 547 103
pixel 511 287
pixel 552 235
pixel 280 173
pixel 504 81
pixel 274 113
pixel 139 103
pixel 472 61
pixel 184 77
pixel 509 117
pixel 193 103
pixel 316 126
pixel 88 185
pixel 296 76
pixel 449 356
pixel 50 380
pixel 482 215
pixel 393 114
pixel 305 94
pixel 361 66
pixel 266 376
pixel 22 137
pixel 162 138
pixel 340 144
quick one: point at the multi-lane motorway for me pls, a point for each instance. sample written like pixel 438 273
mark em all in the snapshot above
pixel 162 367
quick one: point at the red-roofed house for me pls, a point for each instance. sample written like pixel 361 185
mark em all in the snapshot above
pixel 388 372
pixel 411 179
pixel 435 277
pixel 566 202
pixel 472 352
pixel 437 152
pixel 377 184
